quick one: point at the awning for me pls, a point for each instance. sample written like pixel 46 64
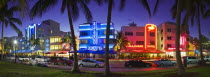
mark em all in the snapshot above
pixel 59 52
pixel 145 51
pixel 95 52
pixel 22 51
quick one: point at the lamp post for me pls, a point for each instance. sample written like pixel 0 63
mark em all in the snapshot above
pixel 15 43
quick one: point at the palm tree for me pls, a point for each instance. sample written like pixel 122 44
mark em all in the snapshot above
pixel 110 6
pixel 121 42
pixel 195 13
pixel 181 70
pixel 7 19
pixel 195 9
pixel 32 43
pixel 67 39
pixel 72 7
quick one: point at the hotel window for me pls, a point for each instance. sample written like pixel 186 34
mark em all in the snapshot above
pixel 22 47
pixel 161 45
pixel 169 38
pixel 168 30
pixel 22 42
pixel 139 33
pixel 83 33
pixel 161 38
pixel 139 42
pixel 55 47
pixel 111 32
pixel 129 33
pixel 83 41
pixel 152 43
pixel 54 40
pixel 51 31
pixel 161 31
pixel 168 45
pixel 152 33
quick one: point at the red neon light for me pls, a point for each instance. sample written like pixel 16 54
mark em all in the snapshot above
pixel 174 48
pixel 135 46
pixel 151 46
pixel 150 28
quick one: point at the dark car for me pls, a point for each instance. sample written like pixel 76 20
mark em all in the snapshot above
pixel 137 63
pixel 61 61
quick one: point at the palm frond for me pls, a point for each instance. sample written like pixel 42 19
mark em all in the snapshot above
pixel 41 6
pixel 146 6
pixel 156 7
pixel 86 11
pixel 14 27
pixel 122 4
pixel 63 6
pixel 75 11
pixel 16 20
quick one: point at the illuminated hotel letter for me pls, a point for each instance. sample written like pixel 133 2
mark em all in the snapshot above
pixel 149 37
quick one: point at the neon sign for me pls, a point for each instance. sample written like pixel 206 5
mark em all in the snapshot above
pixel 151 46
pixel 151 27
pixel 148 29
pixel 95 48
pixel 174 48
pixel 135 46
pixel 95 39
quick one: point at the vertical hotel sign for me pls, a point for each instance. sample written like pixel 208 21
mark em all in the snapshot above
pixel 150 36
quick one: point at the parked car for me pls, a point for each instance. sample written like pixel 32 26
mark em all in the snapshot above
pixel 41 59
pixel 191 59
pixel 11 57
pixel 24 58
pixel 165 62
pixel 207 58
pixel 87 62
pixel 137 63
pixel 61 61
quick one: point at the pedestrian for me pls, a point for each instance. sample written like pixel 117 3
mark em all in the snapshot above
pixel 185 62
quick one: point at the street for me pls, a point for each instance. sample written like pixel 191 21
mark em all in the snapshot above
pixel 118 67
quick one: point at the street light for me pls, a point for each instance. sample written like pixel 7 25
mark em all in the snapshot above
pixel 15 43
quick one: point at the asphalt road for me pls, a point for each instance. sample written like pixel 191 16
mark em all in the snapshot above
pixel 117 67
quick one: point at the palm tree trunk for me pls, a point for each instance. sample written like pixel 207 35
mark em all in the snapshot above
pixel 181 69
pixel 2 42
pixel 107 69
pixel 200 38
pixel 75 66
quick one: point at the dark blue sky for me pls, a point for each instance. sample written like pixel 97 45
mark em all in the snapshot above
pixel 133 11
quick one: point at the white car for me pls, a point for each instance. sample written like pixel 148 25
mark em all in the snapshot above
pixel 11 57
pixel 207 58
pixel 24 58
pixel 191 59
pixel 41 59
pixel 165 62
pixel 90 63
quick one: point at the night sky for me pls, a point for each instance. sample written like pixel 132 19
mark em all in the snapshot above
pixel 133 12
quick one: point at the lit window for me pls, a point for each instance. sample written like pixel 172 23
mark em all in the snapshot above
pixel 152 43
pixel 83 41
pixel 22 47
pixel 139 42
pixel 22 42
pixel 169 38
pixel 51 31
pixel 168 30
pixel 129 33
pixel 152 33
pixel 168 45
